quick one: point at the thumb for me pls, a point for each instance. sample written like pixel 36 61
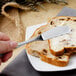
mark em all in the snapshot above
pixel 6 46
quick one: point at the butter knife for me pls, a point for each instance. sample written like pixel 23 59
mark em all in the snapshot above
pixel 52 33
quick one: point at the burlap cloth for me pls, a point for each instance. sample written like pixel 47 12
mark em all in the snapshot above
pixel 10 22
pixel 14 21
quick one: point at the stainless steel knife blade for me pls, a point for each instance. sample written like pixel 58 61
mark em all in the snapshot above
pixel 57 31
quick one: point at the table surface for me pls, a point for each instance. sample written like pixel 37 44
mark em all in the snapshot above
pixel 36 18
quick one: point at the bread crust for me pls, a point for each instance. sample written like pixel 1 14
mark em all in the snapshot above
pixel 37 30
pixel 49 19
pixel 54 61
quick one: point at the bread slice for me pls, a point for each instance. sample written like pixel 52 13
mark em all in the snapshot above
pixel 41 49
pixel 64 43
pixel 37 47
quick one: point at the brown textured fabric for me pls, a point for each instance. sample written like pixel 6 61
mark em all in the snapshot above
pixel 11 23
pixel 14 29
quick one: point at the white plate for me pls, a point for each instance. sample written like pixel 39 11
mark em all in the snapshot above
pixel 42 66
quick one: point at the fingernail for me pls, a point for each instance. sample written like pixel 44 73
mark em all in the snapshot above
pixel 13 44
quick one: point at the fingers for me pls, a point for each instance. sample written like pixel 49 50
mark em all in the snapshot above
pixel 6 46
pixel 6 57
pixel 4 37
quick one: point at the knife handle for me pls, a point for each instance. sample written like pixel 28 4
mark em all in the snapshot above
pixel 28 41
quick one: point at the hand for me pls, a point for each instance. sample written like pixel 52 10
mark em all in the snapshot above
pixel 6 46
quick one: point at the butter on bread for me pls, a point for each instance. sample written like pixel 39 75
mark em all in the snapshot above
pixel 66 42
